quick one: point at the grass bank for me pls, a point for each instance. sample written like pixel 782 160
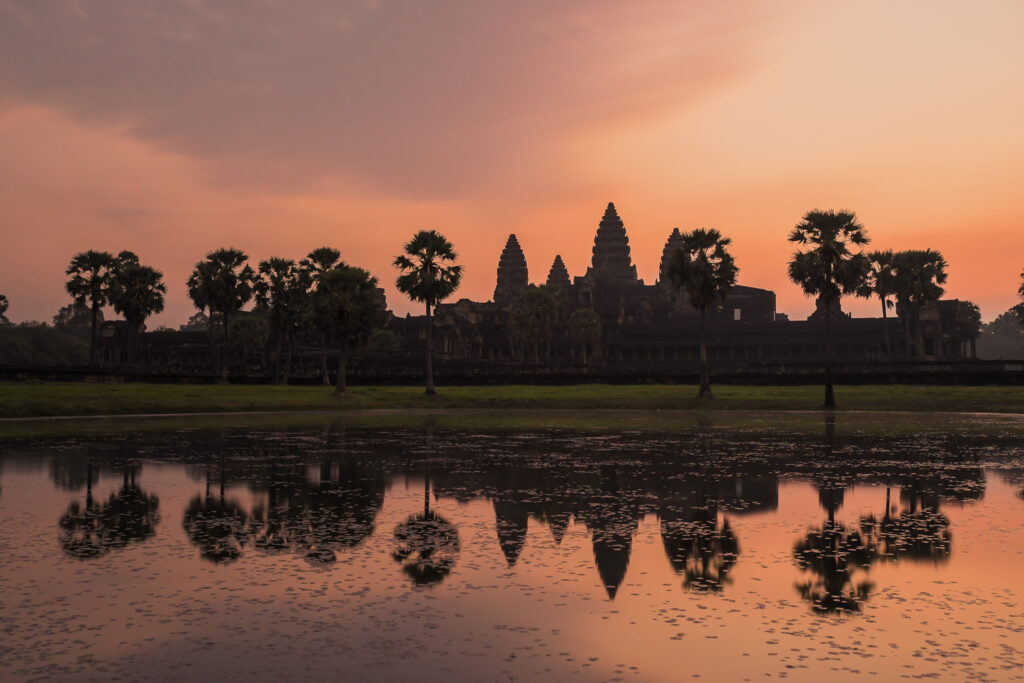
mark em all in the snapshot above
pixel 64 399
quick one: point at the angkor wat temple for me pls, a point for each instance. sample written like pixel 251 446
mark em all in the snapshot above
pixel 636 329
pixel 654 325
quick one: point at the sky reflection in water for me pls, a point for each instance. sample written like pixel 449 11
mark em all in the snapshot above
pixel 424 552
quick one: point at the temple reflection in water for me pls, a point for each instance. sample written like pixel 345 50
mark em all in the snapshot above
pixel 316 496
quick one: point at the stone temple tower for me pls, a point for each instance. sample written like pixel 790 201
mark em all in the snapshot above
pixel 559 274
pixel 674 241
pixel 611 262
pixel 513 276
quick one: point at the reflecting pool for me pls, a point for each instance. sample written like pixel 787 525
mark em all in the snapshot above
pixel 606 546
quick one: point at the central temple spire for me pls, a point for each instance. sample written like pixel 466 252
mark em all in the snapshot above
pixel 611 261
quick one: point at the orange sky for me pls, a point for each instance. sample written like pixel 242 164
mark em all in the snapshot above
pixel 175 128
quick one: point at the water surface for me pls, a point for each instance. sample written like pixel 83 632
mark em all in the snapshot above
pixel 568 547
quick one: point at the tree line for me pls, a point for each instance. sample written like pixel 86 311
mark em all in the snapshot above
pixel 340 305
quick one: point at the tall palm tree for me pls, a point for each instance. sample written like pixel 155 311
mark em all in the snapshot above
pixel 346 308
pixel 703 269
pixel 281 288
pixel 226 284
pixel 828 268
pixel 920 274
pixel 90 273
pixel 318 261
pixel 429 275
pixel 881 282
pixel 200 289
pixel 136 292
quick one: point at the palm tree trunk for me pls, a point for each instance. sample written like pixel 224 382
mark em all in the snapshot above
pixel 288 360
pixel 906 333
pixel 213 347
pixel 426 494
pixel 339 386
pixel 885 327
pixel 830 397
pixel 705 375
pixel 430 353
pixel 227 349
pixel 275 368
pixel 95 332
pixel 324 378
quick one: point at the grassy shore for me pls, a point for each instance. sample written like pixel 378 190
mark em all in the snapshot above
pixel 65 399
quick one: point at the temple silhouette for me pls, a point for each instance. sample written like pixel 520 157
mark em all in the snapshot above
pixel 653 325
pixel 608 323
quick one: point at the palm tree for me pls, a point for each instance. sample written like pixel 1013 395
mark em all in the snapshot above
pixel 345 308
pixel 585 330
pixel 281 288
pixel 200 289
pixel 136 292
pixel 703 269
pixel 920 274
pixel 828 269
pixel 429 275
pixel 318 261
pixel 881 282
pixel 90 273
pixel 225 284
pixel 3 309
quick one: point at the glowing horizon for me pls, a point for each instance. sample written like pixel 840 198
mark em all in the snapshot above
pixel 174 129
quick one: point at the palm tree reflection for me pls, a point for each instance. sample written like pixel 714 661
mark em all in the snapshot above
pixel 130 515
pixel 216 525
pixel 426 544
pixel 835 556
pixel 698 548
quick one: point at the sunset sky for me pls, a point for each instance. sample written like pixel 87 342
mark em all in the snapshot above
pixel 173 128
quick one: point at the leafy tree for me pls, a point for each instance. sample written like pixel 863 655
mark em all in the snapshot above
pixel 703 268
pixel 318 261
pixel 223 284
pixel 345 308
pixel 136 292
pixel 881 282
pixel 828 269
pixel 197 322
pixel 1019 308
pixel 75 318
pixel 534 317
pixel 4 304
pixel 281 289
pixel 920 274
pixel 428 275
pixel 968 321
pixel 383 341
pixel 90 273
pixel 1002 338
pixel 584 329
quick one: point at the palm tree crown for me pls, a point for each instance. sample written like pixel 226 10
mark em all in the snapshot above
pixel 90 273
pixel 920 274
pixel 828 268
pixel 429 274
pixel 703 268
